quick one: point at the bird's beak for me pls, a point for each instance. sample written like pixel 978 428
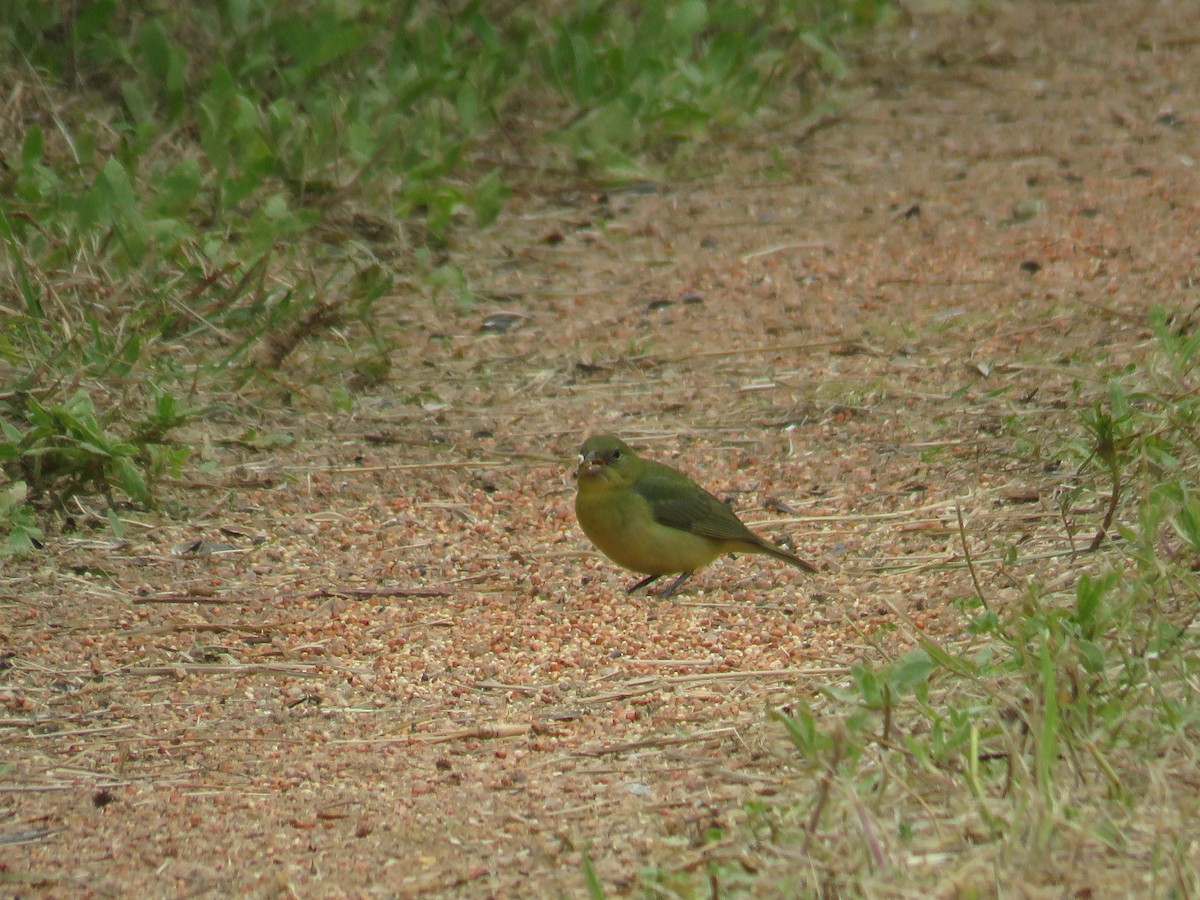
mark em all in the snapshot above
pixel 589 464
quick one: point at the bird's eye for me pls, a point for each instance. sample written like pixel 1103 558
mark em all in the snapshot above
pixel 616 454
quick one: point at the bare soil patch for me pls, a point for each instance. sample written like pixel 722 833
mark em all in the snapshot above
pixel 396 667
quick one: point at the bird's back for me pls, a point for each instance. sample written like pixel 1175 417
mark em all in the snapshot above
pixel 679 502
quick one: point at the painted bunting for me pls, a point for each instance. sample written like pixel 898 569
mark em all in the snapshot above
pixel 653 519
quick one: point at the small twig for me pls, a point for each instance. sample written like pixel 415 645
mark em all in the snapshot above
pixel 869 833
pixel 323 592
pixel 27 837
pixel 705 856
pixel 381 592
pixel 773 348
pixel 714 734
pixel 620 695
pixel 501 686
pixel 1110 512
pixel 482 732
pixel 757 674
pixel 245 628
pixel 962 534
pixel 47 788
pixel 886 731
pixel 680 663
pixel 184 598
pixel 443 590
pixel 296 671
pixel 823 792
pixel 1062 514
pixel 1113 779
pixel 952 563
pixel 404 467
pixel 215 508
pixel 406 739
pixel 75 731
pixel 779 248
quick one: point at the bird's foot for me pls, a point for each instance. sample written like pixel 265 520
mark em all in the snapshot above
pixel 670 591
pixel 649 579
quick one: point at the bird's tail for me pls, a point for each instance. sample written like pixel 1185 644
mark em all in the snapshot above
pixel 771 550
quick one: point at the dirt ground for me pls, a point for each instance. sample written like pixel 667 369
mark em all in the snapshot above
pixel 395 667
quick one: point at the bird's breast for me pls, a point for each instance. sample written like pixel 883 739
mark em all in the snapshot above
pixel 621 524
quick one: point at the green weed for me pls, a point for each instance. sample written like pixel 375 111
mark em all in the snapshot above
pixel 17 519
pixel 61 449
pixel 1057 727
pixel 191 195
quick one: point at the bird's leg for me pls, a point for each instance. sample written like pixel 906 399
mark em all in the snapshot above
pixel 675 585
pixel 649 579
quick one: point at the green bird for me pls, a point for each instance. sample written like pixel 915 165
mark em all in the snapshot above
pixel 655 520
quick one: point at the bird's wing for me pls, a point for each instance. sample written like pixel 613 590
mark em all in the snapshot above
pixel 678 502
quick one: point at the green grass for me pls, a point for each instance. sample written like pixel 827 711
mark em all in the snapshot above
pixel 1055 742
pixel 193 191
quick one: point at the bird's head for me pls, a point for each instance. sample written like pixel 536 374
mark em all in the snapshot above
pixel 605 461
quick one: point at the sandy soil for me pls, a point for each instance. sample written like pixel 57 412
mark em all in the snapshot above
pixel 395 667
